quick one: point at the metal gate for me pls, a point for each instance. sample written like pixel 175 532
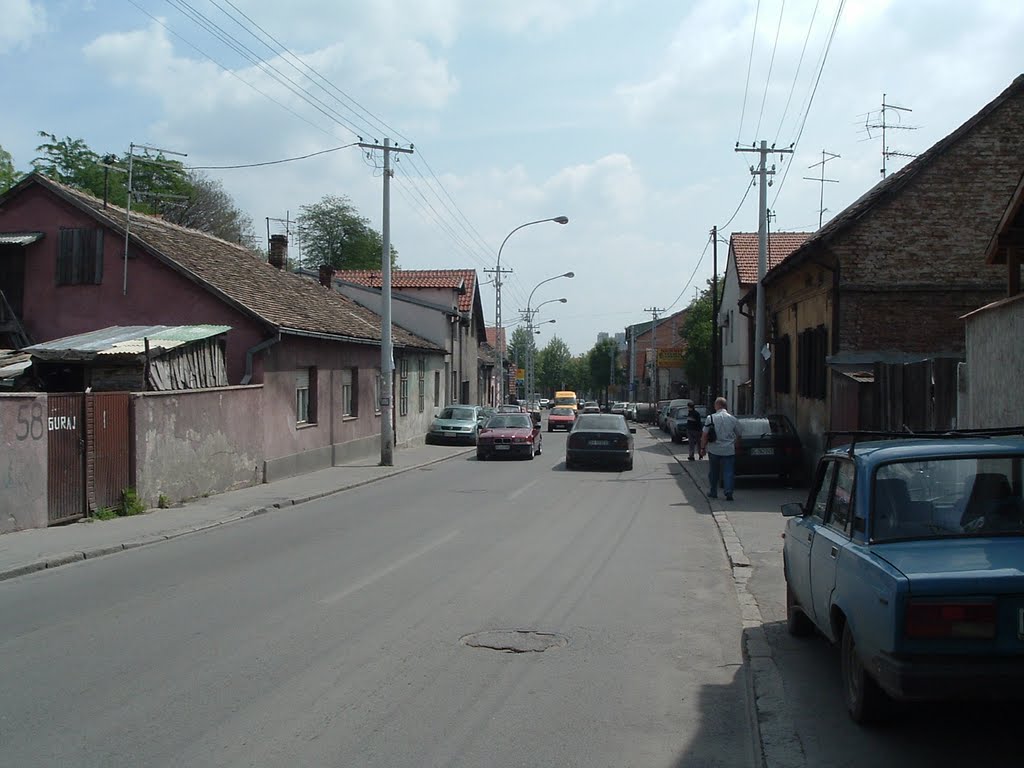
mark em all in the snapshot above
pixel 89 453
pixel 65 483
pixel 107 453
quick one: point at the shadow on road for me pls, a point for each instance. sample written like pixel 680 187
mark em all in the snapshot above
pixel 724 738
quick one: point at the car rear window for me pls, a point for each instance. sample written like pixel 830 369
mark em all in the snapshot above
pixel 953 496
pixel 609 421
pixel 753 426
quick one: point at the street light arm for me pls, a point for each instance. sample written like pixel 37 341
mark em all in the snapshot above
pixel 556 219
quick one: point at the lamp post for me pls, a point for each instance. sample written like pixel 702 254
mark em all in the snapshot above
pixel 497 299
pixel 529 317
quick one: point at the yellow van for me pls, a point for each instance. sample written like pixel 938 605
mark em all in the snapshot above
pixel 565 399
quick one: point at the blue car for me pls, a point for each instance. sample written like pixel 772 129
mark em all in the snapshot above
pixel 909 554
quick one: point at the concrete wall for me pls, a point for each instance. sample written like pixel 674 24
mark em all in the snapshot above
pixel 23 453
pixel 156 293
pixel 189 444
pixel 995 366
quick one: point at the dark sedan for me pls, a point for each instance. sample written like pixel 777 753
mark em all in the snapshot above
pixel 769 445
pixel 509 434
pixel 600 439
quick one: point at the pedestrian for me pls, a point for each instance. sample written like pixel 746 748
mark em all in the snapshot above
pixel 693 429
pixel 720 440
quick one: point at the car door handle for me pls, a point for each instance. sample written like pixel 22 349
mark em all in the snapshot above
pixel 834 552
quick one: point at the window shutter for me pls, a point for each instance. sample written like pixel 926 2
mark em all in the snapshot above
pixel 302 378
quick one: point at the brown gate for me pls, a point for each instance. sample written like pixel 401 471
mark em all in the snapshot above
pixel 65 483
pixel 108 455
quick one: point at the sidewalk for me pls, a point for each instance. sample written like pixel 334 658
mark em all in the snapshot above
pixel 24 552
pixel 772 719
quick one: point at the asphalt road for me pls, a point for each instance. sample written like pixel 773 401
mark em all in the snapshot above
pixel 331 634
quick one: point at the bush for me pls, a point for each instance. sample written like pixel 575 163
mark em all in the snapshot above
pixel 130 505
pixel 163 502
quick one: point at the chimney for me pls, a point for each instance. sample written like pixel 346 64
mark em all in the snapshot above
pixel 326 275
pixel 278 250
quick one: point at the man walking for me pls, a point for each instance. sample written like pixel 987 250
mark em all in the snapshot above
pixel 720 439
pixel 693 428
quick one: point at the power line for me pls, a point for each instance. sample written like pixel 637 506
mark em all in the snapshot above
pixel 692 274
pixel 771 66
pixel 796 75
pixel 750 62
pixel 269 162
pixel 814 90
pixel 738 207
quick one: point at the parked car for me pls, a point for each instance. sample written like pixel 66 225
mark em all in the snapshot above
pixel 484 414
pixel 509 434
pixel 907 554
pixel 561 417
pixel 769 445
pixel 600 439
pixel 630 411
pixel 591 406
pixel 661 413
pixel 455 424
pixel 619 408
pixel 676 422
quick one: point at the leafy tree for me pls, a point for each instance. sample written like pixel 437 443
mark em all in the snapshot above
pixel 602 365
pixel 521 341
pixel 210 209
pixel 696 332
pixel 8 176
pixel 332 232
pixel 553 365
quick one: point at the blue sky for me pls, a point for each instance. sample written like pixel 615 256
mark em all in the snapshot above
pixel 621 115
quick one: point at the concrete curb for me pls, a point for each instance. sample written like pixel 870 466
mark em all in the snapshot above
pixel 777 742
pixel 56 561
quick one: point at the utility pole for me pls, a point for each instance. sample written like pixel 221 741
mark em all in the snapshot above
pixel 886 152
pixel 825 157
pixel 387 355
pixel 498 271
pixel 760 360
pixel 655 311
pixel 715 378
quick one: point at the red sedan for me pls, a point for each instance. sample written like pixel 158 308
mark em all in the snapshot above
pixel 561 418
pixel 509 434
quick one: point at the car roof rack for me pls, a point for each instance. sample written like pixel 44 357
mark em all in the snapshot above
pixel 861 435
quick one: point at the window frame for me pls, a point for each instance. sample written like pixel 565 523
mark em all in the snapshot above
pixel 403 386
pixel 350 398
pixel 306 382
pixel 421 371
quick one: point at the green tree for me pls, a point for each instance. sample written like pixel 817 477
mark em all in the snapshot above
pixel 602 366
pixel 696 334
pixel 521 341
pixel 8 176
pixel 332 232
pixel 552 365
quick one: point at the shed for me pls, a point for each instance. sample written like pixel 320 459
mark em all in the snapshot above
pixel 133 358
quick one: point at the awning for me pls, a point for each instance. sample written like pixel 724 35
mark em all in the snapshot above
pixel 19 238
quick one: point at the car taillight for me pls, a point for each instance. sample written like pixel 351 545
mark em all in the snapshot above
pixel 951 619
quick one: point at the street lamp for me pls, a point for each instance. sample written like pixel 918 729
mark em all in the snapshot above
pixel 530 312
pixel 497 299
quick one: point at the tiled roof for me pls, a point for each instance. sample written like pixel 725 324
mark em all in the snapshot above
pixel 891 185
pixel 283 300
pixel 744 247
pixel 494 335
pixel 456 279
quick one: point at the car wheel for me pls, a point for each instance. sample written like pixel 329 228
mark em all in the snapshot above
pixel 797 623
pixel 480 456
pixel 540 447
pixel 865 701
pixel 629 465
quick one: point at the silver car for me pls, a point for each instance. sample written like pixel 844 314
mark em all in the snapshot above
pixel 455 424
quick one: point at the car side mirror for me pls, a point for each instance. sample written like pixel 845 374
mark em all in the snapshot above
pixel 632 430
pixel 793 509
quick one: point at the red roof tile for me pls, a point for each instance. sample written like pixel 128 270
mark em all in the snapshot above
pixel 743 246
pixel 494 335
pixel 456 279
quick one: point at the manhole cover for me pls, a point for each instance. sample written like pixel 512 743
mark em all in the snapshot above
pixel 515 640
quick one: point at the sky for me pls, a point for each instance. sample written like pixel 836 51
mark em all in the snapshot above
pixel 623 116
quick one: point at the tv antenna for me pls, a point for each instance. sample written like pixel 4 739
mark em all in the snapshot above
pixel 885 126
pixel 825 157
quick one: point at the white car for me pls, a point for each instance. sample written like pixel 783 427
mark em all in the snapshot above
pixel 545 402
pixel 619 408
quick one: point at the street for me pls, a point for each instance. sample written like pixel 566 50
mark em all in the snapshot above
pixel 337 632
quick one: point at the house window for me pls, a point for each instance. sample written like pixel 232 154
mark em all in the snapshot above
pixel 403 386
pixel 812 347
pixel 437 389
pixel 452 393
pixel 305 395
pixel 781 362
pixel 421 370
pixel 350 392
pixel 376 392
pixel 80 257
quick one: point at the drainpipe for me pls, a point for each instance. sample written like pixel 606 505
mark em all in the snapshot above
pixel 255 350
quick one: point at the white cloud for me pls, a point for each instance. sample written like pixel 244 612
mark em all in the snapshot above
pixel 20 21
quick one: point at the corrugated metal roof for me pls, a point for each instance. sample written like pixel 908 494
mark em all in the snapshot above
pixel 13 363
pixel 19 238
pixel 125 340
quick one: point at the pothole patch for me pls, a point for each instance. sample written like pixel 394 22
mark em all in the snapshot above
pixel 515 640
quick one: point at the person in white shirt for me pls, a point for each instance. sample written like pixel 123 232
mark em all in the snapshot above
pixel 721 452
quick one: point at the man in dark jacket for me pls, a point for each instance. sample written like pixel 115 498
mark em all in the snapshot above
pixel 693 428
